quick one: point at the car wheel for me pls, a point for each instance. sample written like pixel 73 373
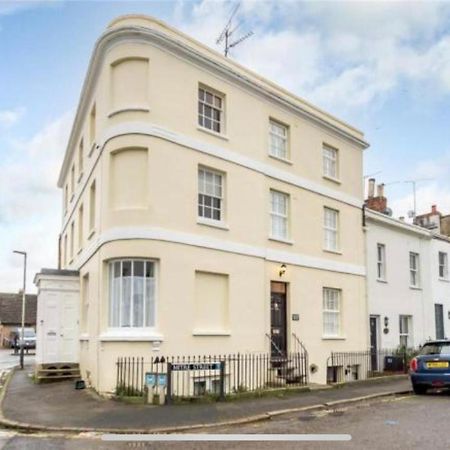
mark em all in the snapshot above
pixel 419 389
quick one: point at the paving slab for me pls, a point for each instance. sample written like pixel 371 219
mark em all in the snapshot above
pixel 58 404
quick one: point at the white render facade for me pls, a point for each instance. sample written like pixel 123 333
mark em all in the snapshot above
pixel 439 310
pixel 404 283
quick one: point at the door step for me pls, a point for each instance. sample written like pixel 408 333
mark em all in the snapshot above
pixel 57 371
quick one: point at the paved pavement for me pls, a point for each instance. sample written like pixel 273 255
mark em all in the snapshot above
pixel 8 359
pixel 58 404
pixel 403 422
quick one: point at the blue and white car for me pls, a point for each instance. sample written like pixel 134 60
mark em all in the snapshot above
pixel 431 367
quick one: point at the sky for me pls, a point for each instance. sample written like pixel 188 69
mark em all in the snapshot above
pixel 384 67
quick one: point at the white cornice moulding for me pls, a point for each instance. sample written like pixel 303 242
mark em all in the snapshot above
pixel 237 75
pixel 148 129
pixel 159 234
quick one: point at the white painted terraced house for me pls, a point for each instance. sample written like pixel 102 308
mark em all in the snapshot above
pixel 188 182
pixel 408 282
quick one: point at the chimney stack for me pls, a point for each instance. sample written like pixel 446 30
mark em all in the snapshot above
pixel 378 203
pixel 371 187
pixel 380 190
pixel 433 209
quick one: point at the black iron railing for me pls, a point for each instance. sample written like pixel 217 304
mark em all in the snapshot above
pixel 361 365
pixel 216 376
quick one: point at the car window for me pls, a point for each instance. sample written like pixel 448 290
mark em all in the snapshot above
pixel 28 333
pixel 436 349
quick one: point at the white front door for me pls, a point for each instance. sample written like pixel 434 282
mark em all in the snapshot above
pixel 60 327
pixel 69 328
pixel 50 327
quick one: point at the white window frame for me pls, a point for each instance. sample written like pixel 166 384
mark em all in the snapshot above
pixel 119 326
pixel 277 215
pixel 80 226
pixel 330 160
pixel 330 231
pixel 381 262
pixel 217 106
pixel 414 270
pixel 404 319
pixel 443 265
pixel 332 312
pixel 72 181
pixel 278 132
pixel 215 196
pixel 92 207
pixel 72 240
pixel 80 159
pixel 66 197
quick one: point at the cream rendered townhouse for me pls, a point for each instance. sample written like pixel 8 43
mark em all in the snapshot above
pixel 206 210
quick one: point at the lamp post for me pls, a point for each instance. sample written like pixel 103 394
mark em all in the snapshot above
pixel 22 340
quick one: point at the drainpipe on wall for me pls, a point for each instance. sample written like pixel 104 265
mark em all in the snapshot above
pixel 366 284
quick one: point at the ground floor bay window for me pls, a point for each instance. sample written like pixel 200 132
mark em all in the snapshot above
pixel 132 294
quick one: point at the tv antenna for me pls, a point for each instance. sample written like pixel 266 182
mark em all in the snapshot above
pixel 411 214
pixel 228 31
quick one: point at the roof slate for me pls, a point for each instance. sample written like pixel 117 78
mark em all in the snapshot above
pixel 11 308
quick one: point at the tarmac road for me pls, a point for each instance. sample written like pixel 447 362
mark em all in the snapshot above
pixel 404 422
pixel 8 359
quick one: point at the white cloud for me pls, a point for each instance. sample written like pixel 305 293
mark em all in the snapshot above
pixel 8 7
pixel 427 194
pixel 432 188
pixel 9 117
pixel 30 202
pixel 345 56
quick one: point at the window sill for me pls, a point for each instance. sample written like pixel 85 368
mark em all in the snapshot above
pixel 445 280
pixel 132 335
pixel 334 180
pixel 381 280
pixel 278 158
pixel 213 223
pixel 336 252
pixel 211 333
pixel 93 146
pixel 415 288
pixel 213 133
pixel 130 109
pixel 84 337
pixel 283 241
pixel 79 250
pixel 333 338
pixel 91 233
pixel 80 177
